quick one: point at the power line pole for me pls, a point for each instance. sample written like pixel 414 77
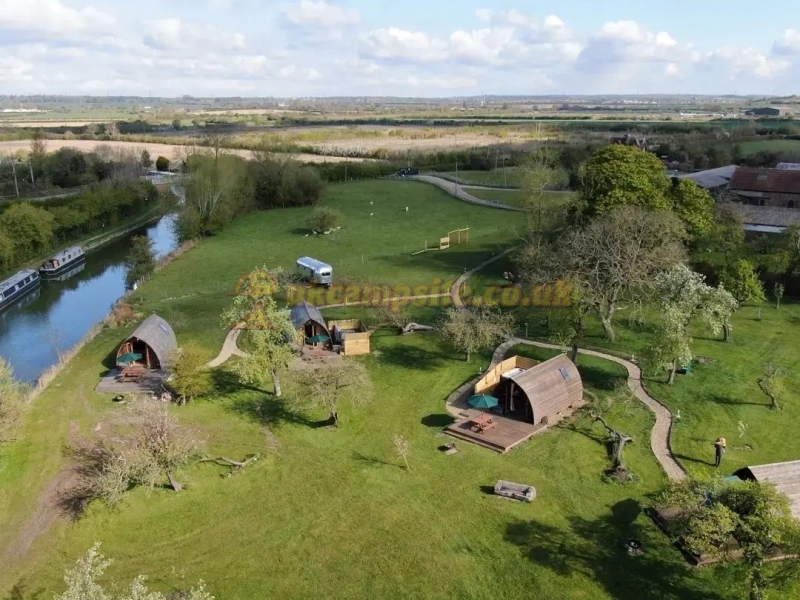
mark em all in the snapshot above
pixel 14 169
pixel 30 166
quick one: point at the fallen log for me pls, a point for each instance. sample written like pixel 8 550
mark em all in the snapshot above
pixel 412 327
pixel 235 465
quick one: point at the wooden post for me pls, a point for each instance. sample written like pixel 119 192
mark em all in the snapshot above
pixel 30 166
pixel 14 169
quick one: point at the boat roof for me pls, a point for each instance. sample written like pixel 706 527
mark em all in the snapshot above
pixel 313 263
pixel 69 250
pixel 15 279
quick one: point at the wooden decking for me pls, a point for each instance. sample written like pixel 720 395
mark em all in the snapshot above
pixel 152 381
pixel 507 434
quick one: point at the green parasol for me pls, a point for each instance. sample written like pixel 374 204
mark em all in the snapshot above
pixel 483 401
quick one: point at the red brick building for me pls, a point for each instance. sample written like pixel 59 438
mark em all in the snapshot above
pixel 767 187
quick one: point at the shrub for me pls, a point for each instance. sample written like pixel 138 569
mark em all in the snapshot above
pixel 162 163
pixel 324 219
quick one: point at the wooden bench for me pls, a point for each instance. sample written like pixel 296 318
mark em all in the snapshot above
pixel 132 374
pixel 481 423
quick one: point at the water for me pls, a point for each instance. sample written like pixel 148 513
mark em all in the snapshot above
pixel 56 316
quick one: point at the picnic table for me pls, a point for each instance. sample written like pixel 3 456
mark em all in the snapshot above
pixel 132 374
pixel 482 422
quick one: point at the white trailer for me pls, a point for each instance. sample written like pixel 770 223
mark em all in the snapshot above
pixel 315 271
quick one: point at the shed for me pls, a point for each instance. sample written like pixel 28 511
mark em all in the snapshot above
pixel 154 340
pixel 540 393
pixel 785 476
pixel 352 335
pixel 307 320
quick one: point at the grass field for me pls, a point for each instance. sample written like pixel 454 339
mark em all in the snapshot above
pixel 750 148
pixel 332 513
pixel 508 176
pixel 517 197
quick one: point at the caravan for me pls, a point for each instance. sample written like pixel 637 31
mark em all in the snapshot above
pixel 315 271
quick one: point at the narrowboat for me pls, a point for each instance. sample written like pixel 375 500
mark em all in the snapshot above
pixel 63 261
pixel 17 286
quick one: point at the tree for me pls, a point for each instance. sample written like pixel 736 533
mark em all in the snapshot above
pixel 83 583
pixel 7 250
pixel 715 517
pixel 216 138
pixel 619 439
pixel 141 259
pixel 270 329
pixel 571 328
pixel 38 147
pixel 541 174
pixel 189 368
pixel 727 234
pixel 620 175
pixel 683 296
pixel 741 280
pixel 771 383
pixel 327 385
pixel 146 161
pixel 401 449
pixel 162 163
pixel 777 290
pixel 694 206
pixel 614 257
pixel 13 395
pixel 476 329
pixel 30 228
pixel 324 218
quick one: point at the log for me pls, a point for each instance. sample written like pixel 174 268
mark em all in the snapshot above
pixel 228 462
pixel 412 327
pixel 174 483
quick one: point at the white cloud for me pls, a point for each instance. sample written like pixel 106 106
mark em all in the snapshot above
pixel 789 44
pixel 54 18
pixel 172 34
pixel 738 60
pixel 412 46
pixel 308 13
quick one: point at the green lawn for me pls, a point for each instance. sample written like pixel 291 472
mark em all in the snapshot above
pixel 508 176
pixel 517 198
pixel 331 513
pixel 749 148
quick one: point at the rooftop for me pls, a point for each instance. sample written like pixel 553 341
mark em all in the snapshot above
pixel 751 179
pixel 711 178
pixel 15 279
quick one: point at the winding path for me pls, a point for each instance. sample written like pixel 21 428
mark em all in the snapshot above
pixel 660 434
pixel 457 190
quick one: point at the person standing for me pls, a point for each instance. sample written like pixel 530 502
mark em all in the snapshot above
pixel 719 449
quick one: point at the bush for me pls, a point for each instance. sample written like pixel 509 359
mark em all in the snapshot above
pixel 324 219
pixel 162 163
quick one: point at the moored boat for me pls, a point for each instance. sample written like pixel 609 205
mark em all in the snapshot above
pixel 63 261
pixel 17 286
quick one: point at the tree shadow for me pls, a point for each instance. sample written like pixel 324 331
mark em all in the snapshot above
pixel 699 461
pixel 272 412
pixel 596 549
pixel 439 421
pixel 716 399
pixel 109 362
pixel 600 379
pixel 411 357
pixel 375 460
pixel 20 591
pixel 227 383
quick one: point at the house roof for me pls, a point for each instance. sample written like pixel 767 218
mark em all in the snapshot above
pixel 785 476
pixel 304 312
pixel 750 179
pixel 551 386
pixel 711 178
pixel 771 216
pixel 788 166
pixel 156 333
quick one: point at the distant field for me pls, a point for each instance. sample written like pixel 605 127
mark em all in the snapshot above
pixel 516 197
pixel 167 150
pixel 749 148
pixel 6 122
pixel 510 176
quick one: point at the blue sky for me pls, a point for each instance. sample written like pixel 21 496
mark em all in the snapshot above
pixel 408 48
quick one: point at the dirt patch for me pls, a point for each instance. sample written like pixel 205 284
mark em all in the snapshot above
pixel 169 151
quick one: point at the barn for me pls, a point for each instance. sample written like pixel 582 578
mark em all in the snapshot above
pixel 540 393
pixel 154 340
pixel 308 321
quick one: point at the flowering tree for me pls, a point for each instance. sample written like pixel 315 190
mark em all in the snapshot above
pixel 684 297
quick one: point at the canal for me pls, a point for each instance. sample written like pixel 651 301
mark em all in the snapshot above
pixel 55 317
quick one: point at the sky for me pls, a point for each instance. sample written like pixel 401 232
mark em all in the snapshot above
pixel 417 48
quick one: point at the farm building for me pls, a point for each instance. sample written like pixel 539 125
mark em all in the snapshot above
pixel 785 476
pixel 768 111
pixel 353 336
pixel 153 340
pixel 711 179
pixel 308 321
pixel 767 187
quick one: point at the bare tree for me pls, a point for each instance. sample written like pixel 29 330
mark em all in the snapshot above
pixel 477 329
pixel 217 138
pixel 614 257
pixel 329 384
pixel 541 175
pixel 771 383
pixel 401 448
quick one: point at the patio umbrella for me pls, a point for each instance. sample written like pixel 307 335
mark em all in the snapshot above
pixel 318 338
pixel 129 358
pixel 483 401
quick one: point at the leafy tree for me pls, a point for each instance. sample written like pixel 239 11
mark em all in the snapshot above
pixel 571 328
pixel 771 383
pixel 741 279
pixel 327 385
pixel 146 161
pixel 789 245
pixel 189 368
pixel 84 583
pixel 727 234
pixel 141 259
pixel 777 291
pixel 694 206
pixel 13 395
pixel 324 218
pixel 714 518
pixel 272 334
pixel 162 163
pixel 614 257
pixel 620 175
pixel 541 174
pixel 30 228
pixel 7 250
pixel 479 328
pixel 683 296
pixel 67 167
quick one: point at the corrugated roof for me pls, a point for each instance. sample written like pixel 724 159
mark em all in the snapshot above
pixel 772 216
pixel 156 333
pixel 711 178
pixel 551 386
pixel 786 477
pixel 787 166
pixel 750 179
pixel 304 312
